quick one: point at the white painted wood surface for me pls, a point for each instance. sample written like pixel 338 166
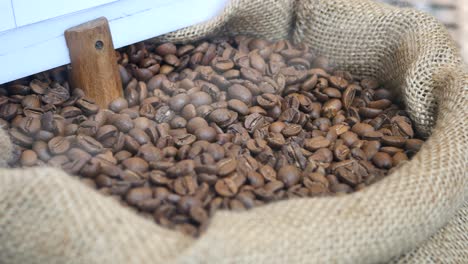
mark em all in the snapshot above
pixel 28 12
pixel 32 48
pixel 7 18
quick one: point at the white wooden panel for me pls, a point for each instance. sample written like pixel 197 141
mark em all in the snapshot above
pixel 7 19
pixel 40 46
pixel 30 11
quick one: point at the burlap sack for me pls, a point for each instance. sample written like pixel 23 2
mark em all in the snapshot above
pixel 47 216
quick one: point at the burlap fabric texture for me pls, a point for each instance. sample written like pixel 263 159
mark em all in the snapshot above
pixel 412 216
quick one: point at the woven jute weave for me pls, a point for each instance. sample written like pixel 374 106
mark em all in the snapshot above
pixel 418 214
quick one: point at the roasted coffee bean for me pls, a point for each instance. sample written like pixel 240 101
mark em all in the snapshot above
pixel 200 98
pixel 227 124
pixel 226 187
pixel 56 96
pixel 289 175
pixel 59 145
pixel 28 158
pixel 30 125
pixel 206 133
pixel 238 106
pixel 315 143
pixel 413 144
pixel 226 166
pixel 220 116
pixel 138 195
pixel 185 185
pixel 179 101
pixel 196 123
pixel 136 164
pixel 382 160
pixel 89 144
pixel 240 93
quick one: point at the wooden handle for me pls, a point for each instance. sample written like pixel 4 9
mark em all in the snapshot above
pixel 93 61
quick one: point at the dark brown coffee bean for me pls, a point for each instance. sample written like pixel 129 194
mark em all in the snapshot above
pixel 206 133
pixel 59 145
pixel 31 101
pixel 253 122
pixel 382 160
pixel 255 179
pixel 331 108
pixel 105 132
pixel 370 148
pixel 291 130
pixel 399 158
pixel 56 96
pixel 315 143
pixel 226 166
pixel 28 158
pixel 8 111
pixel 179 101
pixel 220 116
pixel 136 164
pixel 89 144
pixel 200 98
pixel 185 185
pixel 226 187
pixel 275 140
pixel 267 100
pixel 362 129
pixel 413 144
pixel 30 125
pixel 395 141
pixel 238 106
pixel 137 195
pixel 241 93
pixel 268 173
pixel 196 123
pixel 289 175
pixel 369 112
pixel 349 138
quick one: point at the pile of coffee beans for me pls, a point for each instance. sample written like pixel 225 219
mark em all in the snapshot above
pixel 223 124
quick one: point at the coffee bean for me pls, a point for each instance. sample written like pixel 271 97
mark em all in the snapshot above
pixel 395 141
pixel 200 98
pixel 137 195
pixel 382 160
pixel 228 124
pixel 226 166
pixel 398 158
pixel 196 123
pixel 413 144
pixel 59 145
pixel 240 93
pixel 28 158
pixel 30 125
pixel 56 96
pixel 185 185
pixel 253 122
pixel 238 106
pixel 136 164
pixel 315 143
pixel 289 175
pixel 89 144
pixel 226 187
pixel 220 116
pixel 206 133
pixel 179 101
